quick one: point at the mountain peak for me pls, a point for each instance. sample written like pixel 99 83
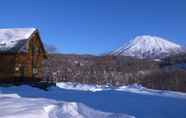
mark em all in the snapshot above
pixel 147 46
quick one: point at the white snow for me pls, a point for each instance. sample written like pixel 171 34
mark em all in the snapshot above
pixel 81 87
pixel 15 106
pixel 9 38
pixel 49 108
pixel 135 88
pixel 10 95
pixel 147 46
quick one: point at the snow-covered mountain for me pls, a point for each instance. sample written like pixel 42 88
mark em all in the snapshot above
pixel 149 47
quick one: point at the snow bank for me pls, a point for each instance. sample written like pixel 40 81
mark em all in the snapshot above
pixel 13 106
pixel 135 88
pixel 81 87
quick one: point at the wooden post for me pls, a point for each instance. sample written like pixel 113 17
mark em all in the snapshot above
pixel 32 60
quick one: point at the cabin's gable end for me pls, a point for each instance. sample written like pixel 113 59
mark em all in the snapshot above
pixel 37 54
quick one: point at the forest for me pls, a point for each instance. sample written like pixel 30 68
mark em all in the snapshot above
pixel 166 74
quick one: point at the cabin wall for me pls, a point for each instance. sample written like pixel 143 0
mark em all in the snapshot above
pixel 27 67
pixel 24 65
pixel 7 66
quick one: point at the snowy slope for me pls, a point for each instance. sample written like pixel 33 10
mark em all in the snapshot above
pixel 13 106
pixel 147 46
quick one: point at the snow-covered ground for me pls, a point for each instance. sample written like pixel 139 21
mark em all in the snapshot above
pixel 82 100
pixel 135 88
pixel 14 106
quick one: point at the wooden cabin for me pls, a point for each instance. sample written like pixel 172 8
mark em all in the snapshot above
pixel 21 55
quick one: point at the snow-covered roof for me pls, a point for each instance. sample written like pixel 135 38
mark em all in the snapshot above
pixel 12 39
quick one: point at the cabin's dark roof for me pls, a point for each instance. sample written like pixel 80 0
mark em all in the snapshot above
pixel 14 39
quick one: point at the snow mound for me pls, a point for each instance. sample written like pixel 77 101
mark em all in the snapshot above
pixel 75 110
pixel 18 107
pixel 146 46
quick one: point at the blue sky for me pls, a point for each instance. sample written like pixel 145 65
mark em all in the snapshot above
pixel 96 26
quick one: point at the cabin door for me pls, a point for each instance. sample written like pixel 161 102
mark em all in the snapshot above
pixel 35 51
pixel 22 70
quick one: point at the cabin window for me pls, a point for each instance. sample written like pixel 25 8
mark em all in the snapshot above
pixel 35 49
pixel 35 70
pixel 17 68
pixel 40 50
